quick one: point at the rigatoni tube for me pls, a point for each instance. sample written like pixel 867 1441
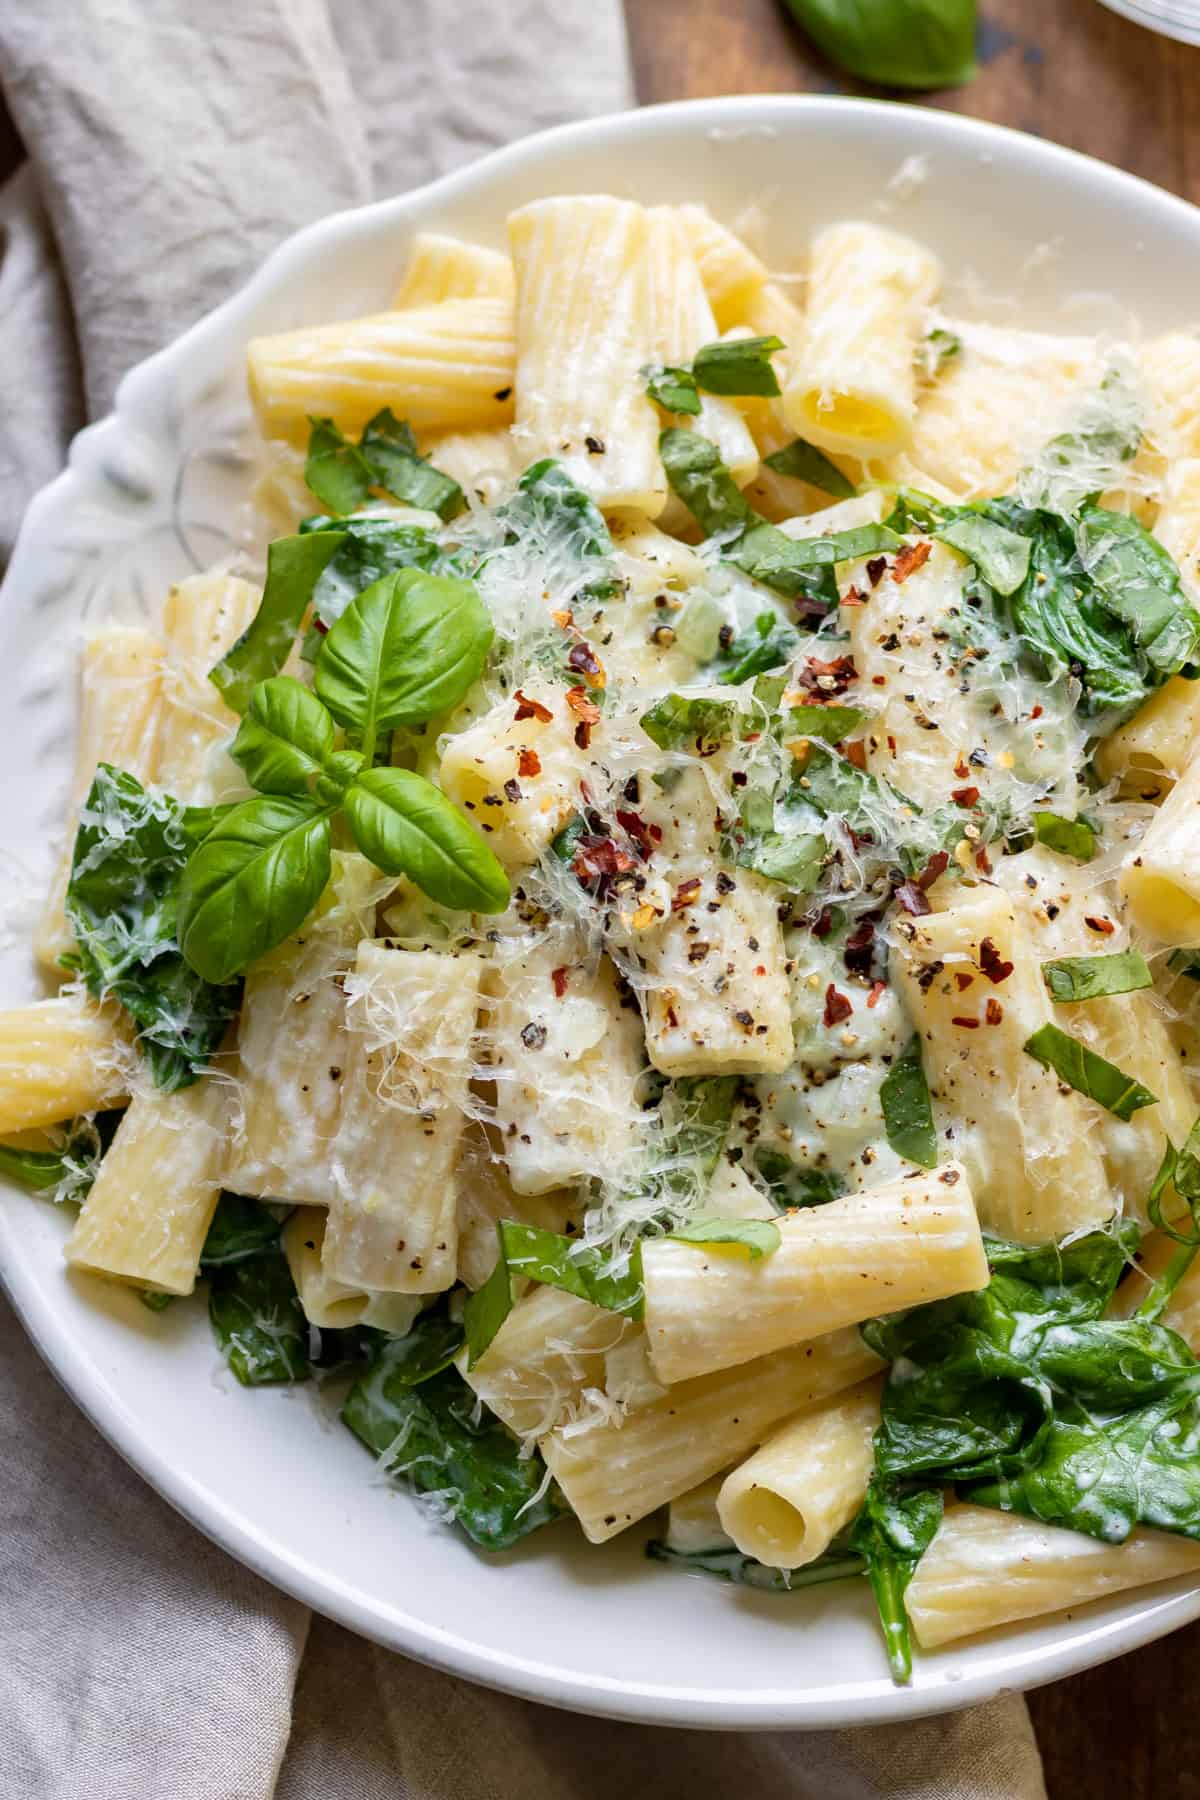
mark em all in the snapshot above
pixel 614 1471
pixel 449 366
pixel 1160 877
pixel 788 1501
pixel 59 1058
pixel 987 1568
pixel 909 1241
pixel 853 386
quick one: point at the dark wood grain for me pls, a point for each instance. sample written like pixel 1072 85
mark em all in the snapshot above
pixel 1071 71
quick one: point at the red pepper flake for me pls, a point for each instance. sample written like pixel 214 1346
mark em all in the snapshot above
pixel 584 661
pixel 912 899
pixel 937 865
pixel 855 752
pixel 965 796
pixel 983 861
pixel 837 1007
pixel 559 978
pixel 891 744
pixel 1036 713
pixel 583 735
pixel 859 950
pixel 822 925
pixel 853 598
pixel 825 679
pixel 672 1017
pixel 878 990
pixel 967 1024
pixel 686 894
pixel 598 861
pixel 993 1012
pixel 531 709
pixel 962 767
pixel 911 558
pixel 992 963
pixel 587 710
pixel 875 570
pixel 636 828
pixel 964 981
pixel 879 680
pixel 1105 926
pixel 528 763
pixel 656 833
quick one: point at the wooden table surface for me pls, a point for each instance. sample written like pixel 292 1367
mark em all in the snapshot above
pixel 1071 71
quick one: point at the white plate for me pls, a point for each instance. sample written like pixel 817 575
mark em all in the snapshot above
pixel 152 493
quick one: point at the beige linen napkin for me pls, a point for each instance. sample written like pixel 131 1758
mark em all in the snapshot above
pixel 172 143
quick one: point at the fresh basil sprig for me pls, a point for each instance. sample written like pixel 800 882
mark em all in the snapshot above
pixel 409 646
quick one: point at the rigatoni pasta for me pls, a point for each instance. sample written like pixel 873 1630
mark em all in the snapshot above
pixel 661 945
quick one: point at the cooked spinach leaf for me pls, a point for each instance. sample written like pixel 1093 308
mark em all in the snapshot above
pixel 66 1172
pixel 258 1320
pixel 792 1185
pixel 907 1108
pixel 548 505
pixel 122 898
pixel 240 1228
pixel 425 1425
pixel 728 1563
pixel 893 1530
pixel 529 1253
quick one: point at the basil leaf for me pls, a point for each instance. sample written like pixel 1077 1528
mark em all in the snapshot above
pixel 794 861
pixel 758 1237
pixel 240 1228
pixel 795 566
pixel 831 723
pixel 1139 582
pixel 793 1185
pixel 922 44
pixel 1070 837
pixel 1071 978
pixel 681 719
pixel 756 652
pixel 337 473
pixel 294 565
pixel 556 1261
pixel 252 883
pixel 369 547
pixel 938 347
pixel 1000 555
pixel 407 648
pixel 738 366
pixel 285 736
pixel 549 508
pixel 390 451
pixel 433 1434
pixel 804 462
pixel 674 389
pixel 728 1563
pixel 700 479
pixel 258 1320
pixel 406 826
pixel 907 1108
pixel 122 902
pixel 1088 1073
pixel 892 1532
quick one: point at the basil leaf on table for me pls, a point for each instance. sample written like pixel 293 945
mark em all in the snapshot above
pixel 907 1108
pixel 334 470
pixel 407 648
pixel 530 1253
pixel 406 826
pixel 674 389
pixel 758 1237
pixel 253 882
pixel 122 901
pixel 905 43
pixel 1070 837
pixel 285 737
pixel 1087 1072
pixel 258 1320
pixel 428 1428
pixel 738 366
pixel 294 565
pixel 804 462
pixel 1072 978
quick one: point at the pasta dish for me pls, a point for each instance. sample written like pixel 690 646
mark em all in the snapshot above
pixel 656 943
